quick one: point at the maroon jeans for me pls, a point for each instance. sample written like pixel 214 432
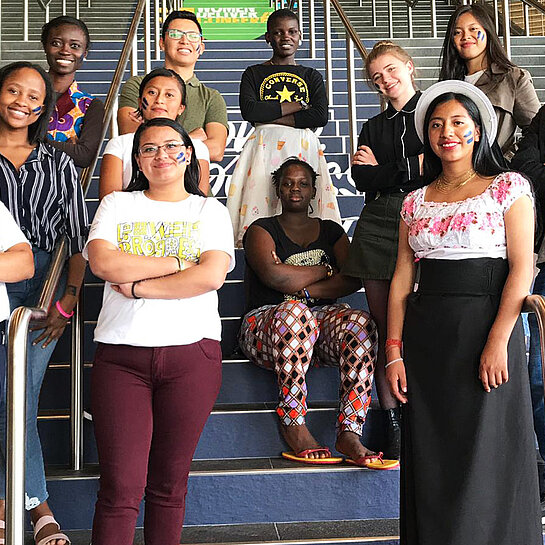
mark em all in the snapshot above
pixel 149 408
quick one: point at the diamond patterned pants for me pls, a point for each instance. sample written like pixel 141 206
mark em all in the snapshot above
pixel 289 337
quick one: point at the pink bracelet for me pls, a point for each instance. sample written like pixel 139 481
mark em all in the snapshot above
pixel 62 311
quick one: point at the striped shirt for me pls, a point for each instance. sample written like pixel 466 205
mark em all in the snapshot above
pixel 46 199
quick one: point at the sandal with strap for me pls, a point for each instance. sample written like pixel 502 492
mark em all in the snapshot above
pixel 44 521
pixel 302 456
pixel 374 461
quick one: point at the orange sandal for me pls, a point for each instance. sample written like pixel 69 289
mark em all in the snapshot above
pixel 302 456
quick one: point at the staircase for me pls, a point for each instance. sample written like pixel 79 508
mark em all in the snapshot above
pixel 240 491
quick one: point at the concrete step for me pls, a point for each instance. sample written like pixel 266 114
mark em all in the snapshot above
pixel 250 491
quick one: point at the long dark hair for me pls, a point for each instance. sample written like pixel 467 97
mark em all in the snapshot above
pixel 37 131
pixel 485 161
pixel 452 65
pixel 191 179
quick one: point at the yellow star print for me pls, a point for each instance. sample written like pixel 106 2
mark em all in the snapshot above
pixel 285 95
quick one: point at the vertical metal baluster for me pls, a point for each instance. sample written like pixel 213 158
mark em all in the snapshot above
pixel 76 400
pixel 47 13
pixel 114 129
pixel 391 19
pixel 157 32
pixel 410 20
pixel 89 4
pixel 16 425
pixel 351 84
pixel 134 55
pixel 506 28
pixel 64 7
pixel 77 9
pixel 433 19
pixel 311 30
pixel 496 15
pixel 526 20
pixel 327 45
pixel 147 36
pixel 300 17
pixel 373 12
pixel 25 20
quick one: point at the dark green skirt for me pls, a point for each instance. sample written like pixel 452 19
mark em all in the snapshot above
pixel 373 251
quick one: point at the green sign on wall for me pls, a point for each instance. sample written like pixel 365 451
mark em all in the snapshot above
pixel 231 19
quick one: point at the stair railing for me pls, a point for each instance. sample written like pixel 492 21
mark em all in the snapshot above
pixel 18 335
pixel 352 39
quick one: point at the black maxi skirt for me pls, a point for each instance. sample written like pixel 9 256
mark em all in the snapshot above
pixel 468 471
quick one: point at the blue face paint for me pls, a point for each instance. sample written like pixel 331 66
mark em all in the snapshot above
pixel 469 140
pixel 480 35
pixel 37 110
pixel 181 157
pixel 469 136
pixel 145 103
pixel 468 133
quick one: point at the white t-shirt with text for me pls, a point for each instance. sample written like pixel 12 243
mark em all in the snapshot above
pixel 141 226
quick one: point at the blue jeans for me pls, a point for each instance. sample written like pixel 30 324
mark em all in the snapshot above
pixel 26 293
pixel 534 367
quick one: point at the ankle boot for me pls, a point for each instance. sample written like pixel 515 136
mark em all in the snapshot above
pixel 393 417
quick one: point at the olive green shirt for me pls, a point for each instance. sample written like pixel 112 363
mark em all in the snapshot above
pixel 203 104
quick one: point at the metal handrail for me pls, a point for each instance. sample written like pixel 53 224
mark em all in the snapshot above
pixel 18 337
pixel 352 39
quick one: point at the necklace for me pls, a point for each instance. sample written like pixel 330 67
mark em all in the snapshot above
pixel 445 185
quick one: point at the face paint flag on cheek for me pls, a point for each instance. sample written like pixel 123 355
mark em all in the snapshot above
pixel 145 103
pixel 181 158
pixel 469 136
pixel 37 110
pixel 480 35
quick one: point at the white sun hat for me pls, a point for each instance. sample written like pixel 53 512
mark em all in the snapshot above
pixel 488 115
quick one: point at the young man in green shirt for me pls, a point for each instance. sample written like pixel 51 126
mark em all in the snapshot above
pixel 205 116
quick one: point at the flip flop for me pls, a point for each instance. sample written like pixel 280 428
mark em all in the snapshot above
pixel 370 462
pixel 41 522
pixel 301 456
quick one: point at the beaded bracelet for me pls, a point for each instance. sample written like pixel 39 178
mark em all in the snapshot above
pixel 307 294
pixel 329 270
pixel 393 342
pixel 62 312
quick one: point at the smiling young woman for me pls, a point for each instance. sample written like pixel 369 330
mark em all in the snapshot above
pixel 163 250
pixel 40 187
pixel 162 94
pixel 285 102
pixel 386 166
pixel 472 52
pixel 76 122
pixel 458 358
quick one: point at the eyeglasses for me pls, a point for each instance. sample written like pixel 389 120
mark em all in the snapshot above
pixel 191 35
pixel 171 148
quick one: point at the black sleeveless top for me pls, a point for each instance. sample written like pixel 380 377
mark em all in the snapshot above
pixel 317 252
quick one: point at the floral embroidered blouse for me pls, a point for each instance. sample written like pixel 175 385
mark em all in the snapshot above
pixel 471 228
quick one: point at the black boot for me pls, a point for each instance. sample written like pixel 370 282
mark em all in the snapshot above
pixel 393 418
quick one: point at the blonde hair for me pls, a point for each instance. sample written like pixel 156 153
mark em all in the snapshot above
pixel 384 47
